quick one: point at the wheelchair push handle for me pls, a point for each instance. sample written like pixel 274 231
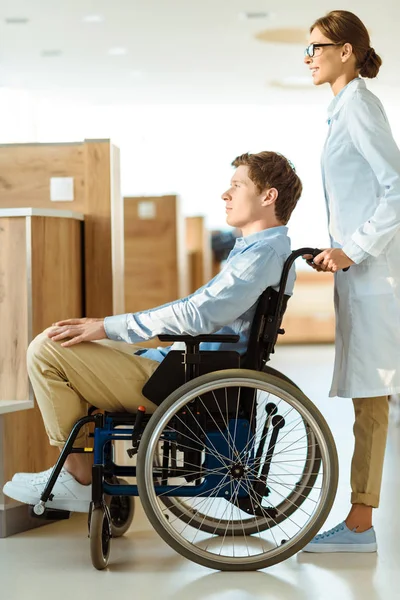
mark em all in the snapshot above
pixel 314 254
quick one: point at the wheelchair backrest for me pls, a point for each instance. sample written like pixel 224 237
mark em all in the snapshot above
pixel 264 329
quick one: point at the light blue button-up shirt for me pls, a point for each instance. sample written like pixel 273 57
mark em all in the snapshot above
pixel 225 305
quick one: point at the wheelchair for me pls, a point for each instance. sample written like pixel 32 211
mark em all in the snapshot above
pixel 236 469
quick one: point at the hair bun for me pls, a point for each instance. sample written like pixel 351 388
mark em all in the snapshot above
pixel 369 55
pixel 371 64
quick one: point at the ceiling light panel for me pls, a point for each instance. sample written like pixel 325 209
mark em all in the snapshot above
pixel 254 15
pixel 51 53
pixel 16 20
pixel 93 19
pixel 117 51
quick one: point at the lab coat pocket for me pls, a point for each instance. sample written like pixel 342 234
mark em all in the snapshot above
pixel 373 277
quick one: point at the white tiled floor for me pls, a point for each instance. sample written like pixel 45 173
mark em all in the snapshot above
pixel 54 562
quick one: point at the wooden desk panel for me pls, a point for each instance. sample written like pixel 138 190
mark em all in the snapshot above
pixel 155 257
pixel 56 275
pixel 198 245
pixel 14 311
pixel 25 172
pixel 41 260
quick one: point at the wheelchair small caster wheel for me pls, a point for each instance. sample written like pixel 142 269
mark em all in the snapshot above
pixel 100 538
pixel 39 509
pixel 122 510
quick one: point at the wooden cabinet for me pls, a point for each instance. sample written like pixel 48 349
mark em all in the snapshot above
pixel 27 172
pixel 41 281
pixel 155 253
pixel 198 246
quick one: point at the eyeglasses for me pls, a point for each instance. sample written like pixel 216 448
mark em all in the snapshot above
pixel 310 50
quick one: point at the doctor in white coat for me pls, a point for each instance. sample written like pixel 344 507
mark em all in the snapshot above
pixel 361 178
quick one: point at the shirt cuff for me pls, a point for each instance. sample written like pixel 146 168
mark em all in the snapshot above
pixel 116 328
pixel 354 252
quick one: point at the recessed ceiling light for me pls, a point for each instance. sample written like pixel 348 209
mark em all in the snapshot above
pixel 93 19
pixel 51 53
pixel 16 20
pixel 254 15
pixel 117 51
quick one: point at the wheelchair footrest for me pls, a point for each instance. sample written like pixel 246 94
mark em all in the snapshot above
pixel 51 514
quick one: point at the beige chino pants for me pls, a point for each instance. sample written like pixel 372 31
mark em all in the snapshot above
pixel 65 381
pixel 370 434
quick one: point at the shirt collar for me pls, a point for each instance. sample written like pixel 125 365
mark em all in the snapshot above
pixel 261 235
pixel 342 96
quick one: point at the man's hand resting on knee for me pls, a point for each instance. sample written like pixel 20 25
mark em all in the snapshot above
pixel 77 330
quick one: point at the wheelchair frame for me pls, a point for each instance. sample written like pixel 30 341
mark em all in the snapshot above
pixel 264 332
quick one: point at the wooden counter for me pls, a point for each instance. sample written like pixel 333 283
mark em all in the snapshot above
pixel 41 281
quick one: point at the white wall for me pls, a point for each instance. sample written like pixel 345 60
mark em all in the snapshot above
pixel 187 149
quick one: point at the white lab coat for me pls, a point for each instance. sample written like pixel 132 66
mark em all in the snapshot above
pixel 361 178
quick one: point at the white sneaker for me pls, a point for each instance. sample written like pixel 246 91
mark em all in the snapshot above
pixel 68 494
pixel 18 477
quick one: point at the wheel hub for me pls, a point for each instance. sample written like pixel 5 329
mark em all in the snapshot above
pixel 237 471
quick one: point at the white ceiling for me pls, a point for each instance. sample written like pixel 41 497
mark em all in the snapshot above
pixel 184 51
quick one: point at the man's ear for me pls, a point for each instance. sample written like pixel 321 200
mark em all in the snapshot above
pixel 269 196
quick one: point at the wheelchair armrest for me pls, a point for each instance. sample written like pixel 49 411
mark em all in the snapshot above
pixel 196 339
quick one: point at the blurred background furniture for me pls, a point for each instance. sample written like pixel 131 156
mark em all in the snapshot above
pixel 40 282
pixel 82 177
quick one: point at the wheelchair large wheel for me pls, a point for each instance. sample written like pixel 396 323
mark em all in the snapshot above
pixel 271 371
pixel 238 469
pixel 185 511
pixel 122 511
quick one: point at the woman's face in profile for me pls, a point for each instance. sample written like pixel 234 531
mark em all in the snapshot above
pixel 325 64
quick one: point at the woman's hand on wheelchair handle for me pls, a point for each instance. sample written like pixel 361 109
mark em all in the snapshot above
pixel 76 331
pixel 330 260
pixel 309 260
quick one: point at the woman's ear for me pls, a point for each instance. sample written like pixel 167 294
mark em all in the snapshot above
pixel 269 196
pixel 347 52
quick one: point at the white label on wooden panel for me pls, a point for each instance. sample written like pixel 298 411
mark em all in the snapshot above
pixel 147 210
pixel 61 189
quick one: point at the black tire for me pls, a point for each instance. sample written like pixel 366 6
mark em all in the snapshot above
pixel 100 538
pixel 271 371
pixel 195 388
pixel 122 511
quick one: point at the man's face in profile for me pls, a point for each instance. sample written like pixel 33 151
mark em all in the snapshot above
pixel 242 199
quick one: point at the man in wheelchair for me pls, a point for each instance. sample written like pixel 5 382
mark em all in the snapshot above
pixel 94 361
